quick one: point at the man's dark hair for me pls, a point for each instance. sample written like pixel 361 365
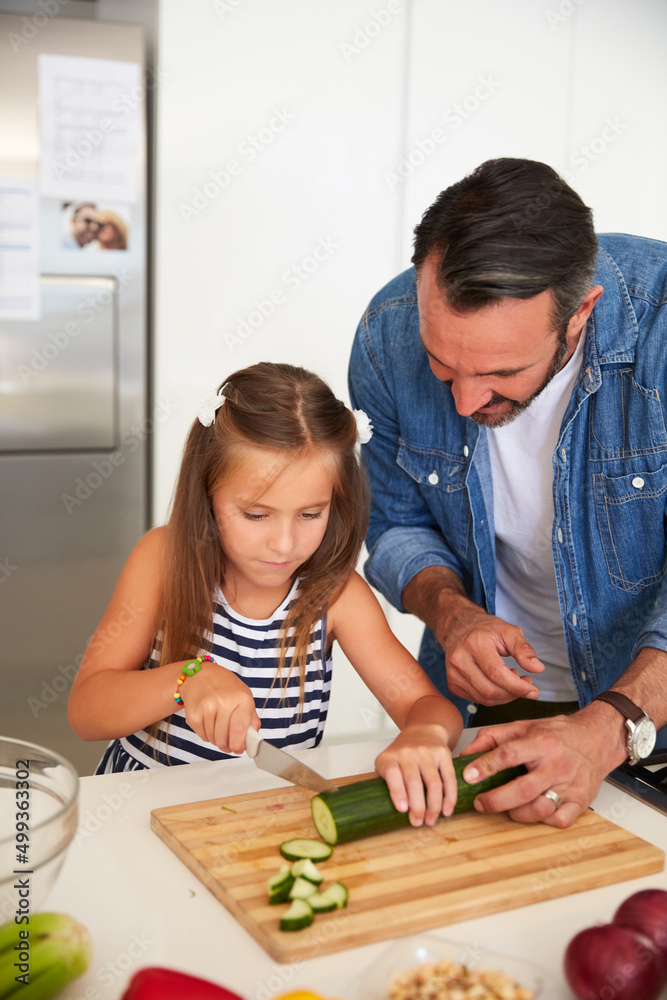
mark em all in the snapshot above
pixel 80 207
pixel 510 229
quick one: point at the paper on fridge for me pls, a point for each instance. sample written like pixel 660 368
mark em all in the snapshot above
pixel 19 251
pixel 90 128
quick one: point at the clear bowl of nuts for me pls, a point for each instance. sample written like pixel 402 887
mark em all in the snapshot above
pixel 427 967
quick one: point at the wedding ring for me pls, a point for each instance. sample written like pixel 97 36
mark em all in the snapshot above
pixel 554 796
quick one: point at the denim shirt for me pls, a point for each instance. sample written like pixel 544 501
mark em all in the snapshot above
pixel 430 474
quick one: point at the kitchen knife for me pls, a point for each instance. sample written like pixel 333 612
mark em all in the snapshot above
pixel 275 761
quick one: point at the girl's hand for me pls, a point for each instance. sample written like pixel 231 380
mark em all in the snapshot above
pixel 420 757
pixel 219 707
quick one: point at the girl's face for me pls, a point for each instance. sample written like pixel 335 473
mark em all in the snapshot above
pixel 268 531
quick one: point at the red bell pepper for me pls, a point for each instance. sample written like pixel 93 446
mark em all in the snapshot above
pixel 156 983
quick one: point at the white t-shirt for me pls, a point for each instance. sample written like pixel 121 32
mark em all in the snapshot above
pixel 521 466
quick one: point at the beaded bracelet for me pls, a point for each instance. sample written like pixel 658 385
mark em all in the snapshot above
pixel 190 667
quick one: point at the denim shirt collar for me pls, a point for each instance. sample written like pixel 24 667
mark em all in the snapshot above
pixel 611 330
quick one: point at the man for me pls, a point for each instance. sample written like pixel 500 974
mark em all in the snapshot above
pixel 516 379
pixel 84 227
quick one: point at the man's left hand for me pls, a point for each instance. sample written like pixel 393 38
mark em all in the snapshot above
pixel 568 755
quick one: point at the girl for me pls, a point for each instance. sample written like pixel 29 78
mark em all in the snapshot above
pixel 254 575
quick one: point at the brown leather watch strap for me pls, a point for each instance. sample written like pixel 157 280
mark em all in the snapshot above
pixel 623 704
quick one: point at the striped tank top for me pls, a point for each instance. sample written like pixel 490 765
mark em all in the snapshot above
pixel 250 649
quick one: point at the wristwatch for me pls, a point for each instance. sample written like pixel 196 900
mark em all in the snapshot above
pixel 641 729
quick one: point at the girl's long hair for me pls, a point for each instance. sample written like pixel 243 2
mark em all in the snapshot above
pixel 286 411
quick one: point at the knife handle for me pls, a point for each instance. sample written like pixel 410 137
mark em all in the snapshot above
pixel 252 741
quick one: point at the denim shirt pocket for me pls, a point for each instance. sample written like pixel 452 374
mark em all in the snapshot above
pixel 440 478
pixel 626 419
pixel 630 511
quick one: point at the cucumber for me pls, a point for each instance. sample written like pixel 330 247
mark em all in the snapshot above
pixel 279 885
pixel 333 898
pixel 302 889
pixel 302 847
pixel 364 808
pixel 300 914
pixel 306 869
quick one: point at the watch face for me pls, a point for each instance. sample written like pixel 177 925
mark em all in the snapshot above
pixel 643 739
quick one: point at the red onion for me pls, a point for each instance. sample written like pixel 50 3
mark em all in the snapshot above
pixel 609 962
pixel 646 912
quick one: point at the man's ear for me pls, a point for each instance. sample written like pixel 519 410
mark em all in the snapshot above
pixel 578 319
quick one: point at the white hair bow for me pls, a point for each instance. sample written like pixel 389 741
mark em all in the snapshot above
pixel 210 405
pixel 364 426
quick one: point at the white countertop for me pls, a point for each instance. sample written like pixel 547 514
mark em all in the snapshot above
pixel 143 907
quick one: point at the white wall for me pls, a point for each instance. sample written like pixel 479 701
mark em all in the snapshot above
pixel 363 112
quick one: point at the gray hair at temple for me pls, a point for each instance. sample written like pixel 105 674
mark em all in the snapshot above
pixel 511 229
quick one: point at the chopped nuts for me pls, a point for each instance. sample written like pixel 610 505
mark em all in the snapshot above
pixel 448 980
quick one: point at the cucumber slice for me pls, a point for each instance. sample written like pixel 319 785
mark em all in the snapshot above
pixel 306 869
pixel 302 847
pixel 333 898
pixel 279 877
pixel 323 818
pixel 302 889
pixel 300 914
pixel 364 808
pixel 279 885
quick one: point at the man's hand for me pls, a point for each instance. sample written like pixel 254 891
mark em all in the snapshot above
pixel 474 641
pixel 569 755
pixel 475 644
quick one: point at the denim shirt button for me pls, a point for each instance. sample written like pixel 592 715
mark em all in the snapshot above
pixel 466 451
pixel 638 482
pixel 560 535
pixel 583 675
pixel 563 454
pixel 433 478
pixel 574 619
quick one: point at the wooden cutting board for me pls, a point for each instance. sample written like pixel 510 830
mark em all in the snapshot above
pixel 399 883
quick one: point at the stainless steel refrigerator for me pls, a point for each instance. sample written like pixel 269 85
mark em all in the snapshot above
pixel 74 426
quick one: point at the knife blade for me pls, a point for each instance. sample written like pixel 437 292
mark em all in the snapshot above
pixel 275 761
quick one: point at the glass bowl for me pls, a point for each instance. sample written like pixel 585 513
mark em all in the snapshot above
pixel 409 953
pixel 38 819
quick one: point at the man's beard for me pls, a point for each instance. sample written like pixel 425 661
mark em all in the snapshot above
pixel 494 420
